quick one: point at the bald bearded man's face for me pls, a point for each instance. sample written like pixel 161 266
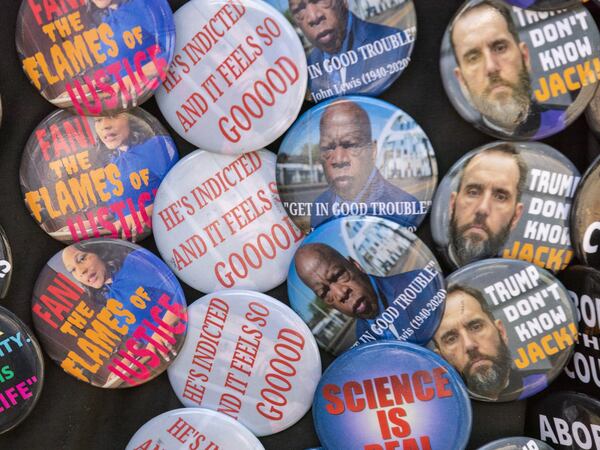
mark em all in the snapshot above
pixel 347 155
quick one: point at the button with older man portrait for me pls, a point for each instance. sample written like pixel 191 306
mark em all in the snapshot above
pixel 509 328
pixel 96 56
pixel 109 313
pixel 356 156
pixel 506 199
pixel 565 420
pixel 6 263
pixel 84 177
pixel 391 395
pixel 520 74
pixel 21 370
pixel 516 443
pixel 356 280
pixel 353 47
pixel 187 428
pixel 238 77
pixel 251 352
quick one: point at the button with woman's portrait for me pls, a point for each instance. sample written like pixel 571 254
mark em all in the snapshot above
pixel 520 74
pixel 21 370
pixel 582 373
pixel 565 420
pixel 506 199
pixel 509 328
pixel 85 177
pixel 395 394
pixel 356 156
pixel 585 217
pixel 238 77
pixel 516 443
pixel 353 47
pixel 109 313
pixel 219 223
pixel 6 263
pixel 185 428
pixel 96 56
pixel 544 5
pixel 263 360
pixel 356 280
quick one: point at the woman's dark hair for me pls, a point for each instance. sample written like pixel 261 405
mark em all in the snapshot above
pixel 113 257
pixel 97 15
pixel 139 132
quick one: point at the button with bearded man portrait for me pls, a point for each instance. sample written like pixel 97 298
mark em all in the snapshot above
pixel 517 74
pixel 506 199
pixel 509 328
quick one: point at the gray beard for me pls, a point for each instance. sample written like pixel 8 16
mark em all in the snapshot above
pixel 465 249
pixel 491 381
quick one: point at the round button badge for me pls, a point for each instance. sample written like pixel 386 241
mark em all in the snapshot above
pixel 509 328
pixel 96 57
pixel 238 77
pixel 391 395
pixel 506 199
pixel 565 421
pixel 6 264
pixel 352 47
pixel 249 356
pixel 21 371
pixel 536 84
pixel 544 4
pixel 585 217
pixel 109 312
pixel 516 443
pixel 583 371
pixel 356 156
pixel 186 428
pixel 356 280
pixel 219 223
pixel 85 177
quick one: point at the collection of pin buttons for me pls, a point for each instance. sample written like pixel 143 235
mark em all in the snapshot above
pixel 334 213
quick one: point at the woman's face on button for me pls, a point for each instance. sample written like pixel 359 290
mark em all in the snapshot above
pixel 113 131
pixel 86 267
pixel 102 4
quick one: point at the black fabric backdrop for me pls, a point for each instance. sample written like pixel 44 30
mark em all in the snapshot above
pixel 73 415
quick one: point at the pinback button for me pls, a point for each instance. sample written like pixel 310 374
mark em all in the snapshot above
pixel 372 390
pixel 583 371
pixel 181 429
pixel 219 223
pixel 392 157
pixel 529 322
pixel 85 177
pixel 536 91
pixel 369 46
pixel 109 312
pixel 264 367
pixel 585 217
pixel 96 57
pixel 506 199
pixel 359 279
pixel 565 420
pixel 516 443
pixel 5 263
pixel 238 78
pixel 544 4
pixel 21 371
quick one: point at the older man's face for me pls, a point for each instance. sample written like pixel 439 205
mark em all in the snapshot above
pixel 338 282
pixel 492 66
pixel 485 209
pixel 323 22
